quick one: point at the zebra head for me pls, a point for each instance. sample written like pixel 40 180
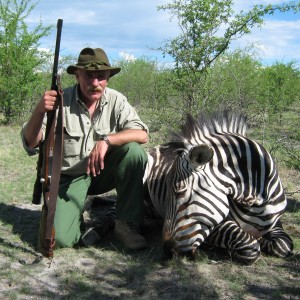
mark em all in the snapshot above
pixel 208 172
pixel 195 206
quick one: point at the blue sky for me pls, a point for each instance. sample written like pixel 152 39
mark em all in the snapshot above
pixel 131 28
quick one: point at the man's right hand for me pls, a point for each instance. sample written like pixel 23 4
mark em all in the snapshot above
pixel 33 132
pixel 48 101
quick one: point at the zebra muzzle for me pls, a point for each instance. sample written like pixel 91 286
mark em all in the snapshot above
pixel 169 245
pixel 169 249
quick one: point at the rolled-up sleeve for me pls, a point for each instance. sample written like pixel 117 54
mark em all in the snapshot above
pixel 29 151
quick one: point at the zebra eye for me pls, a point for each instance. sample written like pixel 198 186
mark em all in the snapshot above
pixel 180 193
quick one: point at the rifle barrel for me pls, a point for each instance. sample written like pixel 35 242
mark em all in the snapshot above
pixel 56 54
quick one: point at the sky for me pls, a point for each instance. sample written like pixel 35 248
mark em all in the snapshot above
pixel 133 28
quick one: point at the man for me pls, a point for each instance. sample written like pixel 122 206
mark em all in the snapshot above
pixel 102 137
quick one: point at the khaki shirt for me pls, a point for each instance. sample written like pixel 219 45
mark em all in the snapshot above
pixel 112 115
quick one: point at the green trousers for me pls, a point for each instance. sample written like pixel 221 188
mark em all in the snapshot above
pixel 124 168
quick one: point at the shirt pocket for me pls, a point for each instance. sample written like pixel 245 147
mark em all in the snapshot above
pixel 72 143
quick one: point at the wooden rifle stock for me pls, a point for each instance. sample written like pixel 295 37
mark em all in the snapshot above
pixel 50 160
pixel 38 187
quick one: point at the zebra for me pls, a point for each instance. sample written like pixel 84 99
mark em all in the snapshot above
pixel 212 185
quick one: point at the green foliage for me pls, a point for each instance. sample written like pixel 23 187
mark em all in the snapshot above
pixel 19 64
pixel 198 45
pixel 203 78
pixel 232 82
pixel 148 88
pixel 207 29
pixel 137 80
pixel 235 81
pixel 283 139
pixel 281 88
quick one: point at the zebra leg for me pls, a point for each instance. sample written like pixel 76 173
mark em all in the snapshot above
pixel 240 244
pixel 276 242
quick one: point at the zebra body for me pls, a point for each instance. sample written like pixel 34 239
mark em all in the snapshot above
pixel 212 184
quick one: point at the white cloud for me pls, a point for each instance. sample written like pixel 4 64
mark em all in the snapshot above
pixel 44 50
pixel 247 5
pixel 133 27
pixel 277 40
pixel 127 56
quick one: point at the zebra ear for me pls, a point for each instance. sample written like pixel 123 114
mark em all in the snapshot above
pixel 201 154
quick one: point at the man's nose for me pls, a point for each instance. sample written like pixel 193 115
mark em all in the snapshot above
pixel 95 81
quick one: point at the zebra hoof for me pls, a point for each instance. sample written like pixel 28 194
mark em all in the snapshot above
pixel 246 257
pixel 282 247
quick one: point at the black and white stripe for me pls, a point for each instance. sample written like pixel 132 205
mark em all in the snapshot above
pixel 211 183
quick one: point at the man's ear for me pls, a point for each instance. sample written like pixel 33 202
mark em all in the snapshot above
pixel 108 75
pixel 76 75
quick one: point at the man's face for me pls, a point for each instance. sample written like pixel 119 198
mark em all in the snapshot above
pixel 92 84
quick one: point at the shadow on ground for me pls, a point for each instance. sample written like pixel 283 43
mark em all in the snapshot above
pixel 24 221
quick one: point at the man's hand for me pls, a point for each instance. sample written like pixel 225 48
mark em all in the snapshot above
pixel 33 132
pixel 48 101
pixel 96 158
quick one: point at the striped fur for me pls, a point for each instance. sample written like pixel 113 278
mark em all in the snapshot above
pixel 211 183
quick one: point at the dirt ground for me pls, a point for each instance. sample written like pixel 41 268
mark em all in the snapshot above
pixel 108 271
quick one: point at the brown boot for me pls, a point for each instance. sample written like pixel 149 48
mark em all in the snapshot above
pixel 128 233
pixel 94 234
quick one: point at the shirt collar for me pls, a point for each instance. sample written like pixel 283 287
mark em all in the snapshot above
pixel 104 98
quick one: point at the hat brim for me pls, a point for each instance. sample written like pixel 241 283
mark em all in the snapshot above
pixel 113 71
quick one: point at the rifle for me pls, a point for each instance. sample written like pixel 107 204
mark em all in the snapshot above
pixel 49 162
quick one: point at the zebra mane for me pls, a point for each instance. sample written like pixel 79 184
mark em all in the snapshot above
pixel 218 122
pixel 214 123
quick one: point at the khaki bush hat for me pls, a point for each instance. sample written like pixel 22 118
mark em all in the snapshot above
pixel 93 60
